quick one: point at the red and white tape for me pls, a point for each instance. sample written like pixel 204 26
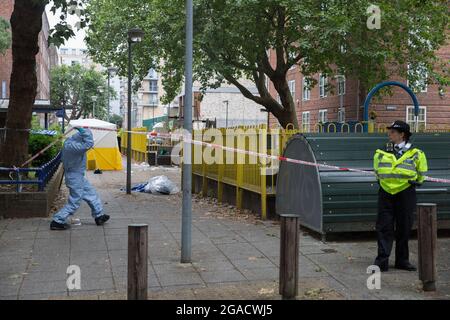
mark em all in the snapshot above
pixel 248 152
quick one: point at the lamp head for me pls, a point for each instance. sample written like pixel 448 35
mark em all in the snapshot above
pixel 135 35
pixel 112 71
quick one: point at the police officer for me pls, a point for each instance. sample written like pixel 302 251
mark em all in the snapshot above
pixel 399 169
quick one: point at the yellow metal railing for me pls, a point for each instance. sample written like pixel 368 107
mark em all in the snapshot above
pixel 138 144
pixel 242 171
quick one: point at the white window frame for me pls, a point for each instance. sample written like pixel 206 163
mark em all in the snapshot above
pixel 341 85
pixel 410 112
pixel 323 80
pixel 4 90
pixel 153 102
pixel 291 84
pixel 150 85
pixel 341 115
pixel 306 92
pixel 323 115
pixel 306 125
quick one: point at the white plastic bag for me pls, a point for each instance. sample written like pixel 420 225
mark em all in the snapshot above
pixel 161 185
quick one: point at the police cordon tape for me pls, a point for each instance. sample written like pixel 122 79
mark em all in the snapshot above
pixel 230 149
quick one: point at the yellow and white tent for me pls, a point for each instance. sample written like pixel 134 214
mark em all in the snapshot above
pixel 105 154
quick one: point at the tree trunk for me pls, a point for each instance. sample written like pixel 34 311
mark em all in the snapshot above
pixel 288 115
pixel 26 23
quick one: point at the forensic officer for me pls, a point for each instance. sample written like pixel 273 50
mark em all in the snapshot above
pixel 74 162
pixel 399 169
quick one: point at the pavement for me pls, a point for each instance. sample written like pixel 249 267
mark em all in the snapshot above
pixel 234 255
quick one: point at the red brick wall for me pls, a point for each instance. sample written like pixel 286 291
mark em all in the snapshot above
pixel 437 111
pixel 42 58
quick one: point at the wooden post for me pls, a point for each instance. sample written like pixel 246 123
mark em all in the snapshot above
pixel 426 236
pixel 137 261
pixel 289 253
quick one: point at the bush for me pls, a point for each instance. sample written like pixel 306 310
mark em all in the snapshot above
pixel 37 142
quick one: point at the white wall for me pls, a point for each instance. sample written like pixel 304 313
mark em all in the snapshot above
pixel 241 111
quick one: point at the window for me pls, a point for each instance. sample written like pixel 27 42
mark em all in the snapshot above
pixel 153 85
pixel 3 96
pixel 153 99
pixel 341 115
pixel 306 89
pixel 418 77
pixel 323 81
pixel 323 116
pixel 75 62
pixel 341 85
pixel 291 84
pixel 74 51
pixel 306 121
pixel 64 51
pixel 422 119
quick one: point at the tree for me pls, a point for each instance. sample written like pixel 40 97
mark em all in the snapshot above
pixel 232 40
pixel 26 23
pixel 74 86
pixel 5 35
pixel 116 119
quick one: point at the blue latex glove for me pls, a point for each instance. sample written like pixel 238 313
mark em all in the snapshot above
pixel 80 130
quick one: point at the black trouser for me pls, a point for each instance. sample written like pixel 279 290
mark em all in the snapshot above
pixel 395 219
pixel 119 139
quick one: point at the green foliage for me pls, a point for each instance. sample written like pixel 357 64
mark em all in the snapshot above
pixel 116 119
pixel 5 35
pixel 75 86
pixel 35 124
pixel 232 38
pixel 37 142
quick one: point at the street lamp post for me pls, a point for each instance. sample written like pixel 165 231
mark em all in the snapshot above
pixel 111 73
pixel 135 35
pixel 268 119
pixel 186 211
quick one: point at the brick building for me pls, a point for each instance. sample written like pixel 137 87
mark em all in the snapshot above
pixel 44 60
pixel 317 105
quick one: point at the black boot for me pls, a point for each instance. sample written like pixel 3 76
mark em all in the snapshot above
pixel 58 226
pixel 102 219
pixel 384 267
pixel 405 266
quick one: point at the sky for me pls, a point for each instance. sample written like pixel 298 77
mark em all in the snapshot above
pixel 78 40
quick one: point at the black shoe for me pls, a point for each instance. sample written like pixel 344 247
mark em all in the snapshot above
pixel 102 219
pixel 58 226
pixel 384 267
pixel 406 266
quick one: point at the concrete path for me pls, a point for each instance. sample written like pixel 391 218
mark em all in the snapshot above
pixel 234 255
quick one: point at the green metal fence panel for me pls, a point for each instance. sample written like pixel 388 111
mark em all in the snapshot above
pixel 350 198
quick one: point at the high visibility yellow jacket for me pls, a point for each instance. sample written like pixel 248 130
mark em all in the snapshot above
pixel 394 174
